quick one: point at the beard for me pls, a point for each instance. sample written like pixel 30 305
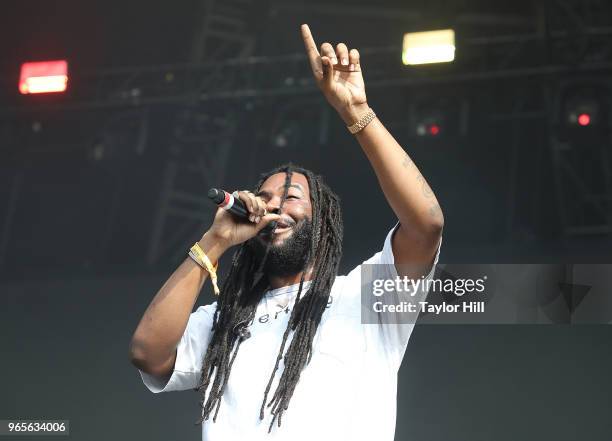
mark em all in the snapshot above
pixel 290 256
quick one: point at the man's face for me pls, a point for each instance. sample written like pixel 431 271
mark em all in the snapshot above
pixel 296 209
pixel 288 248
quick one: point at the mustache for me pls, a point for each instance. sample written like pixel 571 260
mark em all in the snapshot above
pixel 286 221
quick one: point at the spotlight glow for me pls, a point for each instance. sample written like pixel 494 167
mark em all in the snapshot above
pixel 584 119
pixel 429 47
pixel 43 77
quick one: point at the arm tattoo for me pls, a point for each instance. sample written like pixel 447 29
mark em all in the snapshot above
pixel 425 188
pixel 407 162
pixel 435 211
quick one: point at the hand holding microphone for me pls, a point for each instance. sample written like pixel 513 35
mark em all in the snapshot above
pixel 234 209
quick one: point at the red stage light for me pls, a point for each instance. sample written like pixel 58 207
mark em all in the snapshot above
pixel 43 77
pixel 584 119
pixel 434 129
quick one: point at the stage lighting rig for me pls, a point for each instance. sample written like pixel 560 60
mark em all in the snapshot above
pixel 430 126
pixel 580 146
pixel 438 118
pixel 583 113
pixel 585 107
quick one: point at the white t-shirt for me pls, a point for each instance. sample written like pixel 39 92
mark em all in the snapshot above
pixel 346 392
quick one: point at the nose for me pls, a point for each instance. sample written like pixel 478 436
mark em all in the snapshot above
pixel 273 206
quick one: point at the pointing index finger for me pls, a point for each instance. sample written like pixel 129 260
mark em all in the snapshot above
pixel 311 50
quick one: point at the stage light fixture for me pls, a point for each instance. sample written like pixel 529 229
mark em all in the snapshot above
pixel 582 112
pixel 428 128
pixel 438 117
pixel 429 47
pixel 585 105
pixel 584 119
pixel 43 77
pixel 434 129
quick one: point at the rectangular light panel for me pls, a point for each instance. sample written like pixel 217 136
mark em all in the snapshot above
pixel 429 47
pixel 43 77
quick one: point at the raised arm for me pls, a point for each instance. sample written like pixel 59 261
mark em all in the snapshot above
pixel 338 74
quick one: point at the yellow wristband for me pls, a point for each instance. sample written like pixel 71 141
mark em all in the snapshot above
pixel 205 263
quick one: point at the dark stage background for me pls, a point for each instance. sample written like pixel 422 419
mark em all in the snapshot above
pixel 101 190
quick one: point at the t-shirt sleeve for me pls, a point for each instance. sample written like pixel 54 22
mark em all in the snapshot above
pixel 189 354
pixel 391 334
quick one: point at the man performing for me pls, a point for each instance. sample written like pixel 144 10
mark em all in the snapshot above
pixel 282 354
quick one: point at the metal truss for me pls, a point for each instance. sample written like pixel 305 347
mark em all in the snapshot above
pixel 223 31
pixel 202 139
pixel 509 57
pixel 582 166
pixel 198 161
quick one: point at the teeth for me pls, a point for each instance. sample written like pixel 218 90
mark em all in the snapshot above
pixel 283 224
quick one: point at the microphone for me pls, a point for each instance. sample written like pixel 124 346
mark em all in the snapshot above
pixel 235 206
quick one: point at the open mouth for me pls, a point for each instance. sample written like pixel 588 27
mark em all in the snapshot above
pixel 283 225
pixel 280 230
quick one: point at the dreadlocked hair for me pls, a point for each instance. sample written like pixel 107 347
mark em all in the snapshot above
pixel 243 289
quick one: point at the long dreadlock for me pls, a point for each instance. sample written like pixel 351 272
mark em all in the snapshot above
pixel 242 291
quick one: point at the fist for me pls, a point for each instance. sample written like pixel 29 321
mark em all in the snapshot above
pixel 233 231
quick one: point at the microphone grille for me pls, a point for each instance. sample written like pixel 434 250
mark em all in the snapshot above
pixel 216 195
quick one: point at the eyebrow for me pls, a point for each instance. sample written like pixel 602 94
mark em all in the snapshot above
pixel 298 186
pixel 268 195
